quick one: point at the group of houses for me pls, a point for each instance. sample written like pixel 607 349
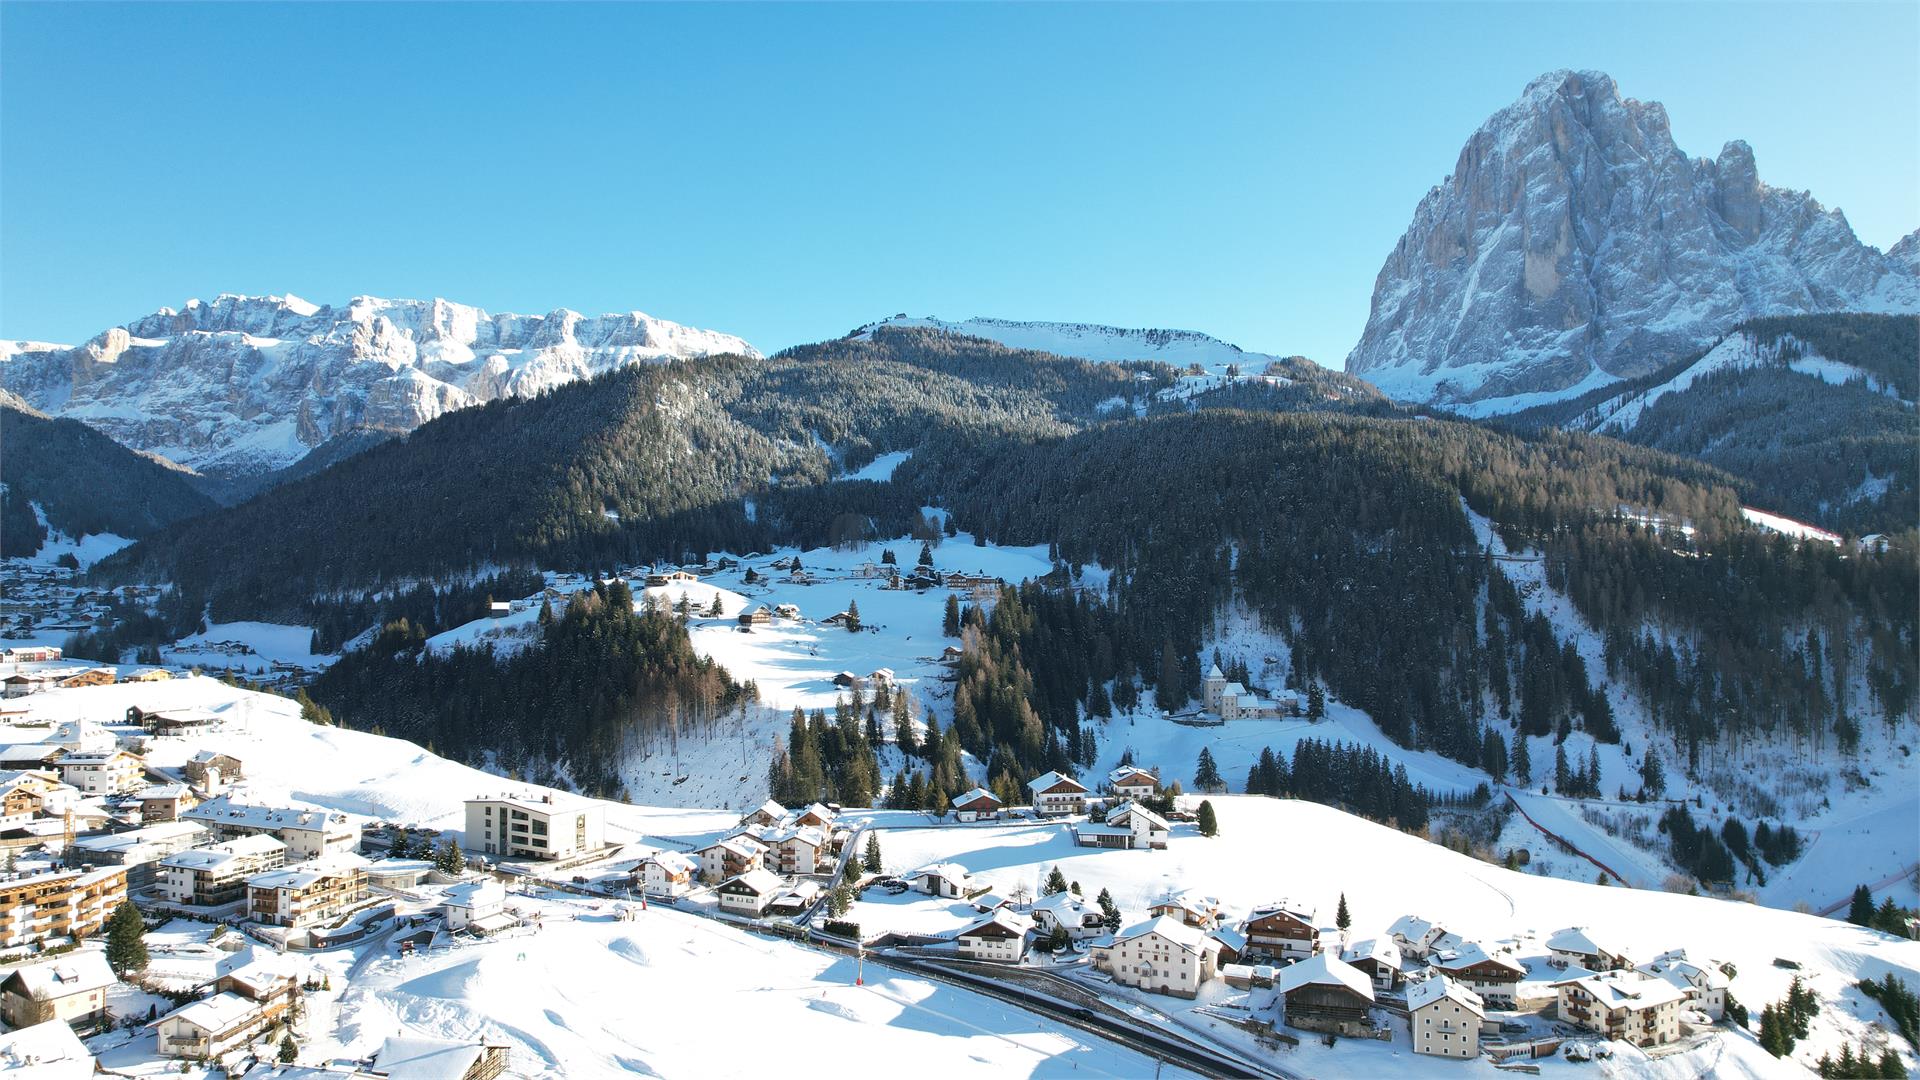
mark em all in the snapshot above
pixel 1323 981
pixel 765 865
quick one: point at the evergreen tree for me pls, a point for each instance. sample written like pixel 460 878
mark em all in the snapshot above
pixel 1316 702
pixel 450 859
pixel 126 939
pixel 289 1052
pixel 1056 883
pixel 1341 918
pixel 1206 774
pixel 873 863
pixel 715 610
pixel 853 615
pixel 1209 825
pixel 840 900
pixel 1562 775
pixel 1860 912
pixel 950 622
pixel 1522 759
pixel 1058 939
pixel 1653 775
pixel 926 554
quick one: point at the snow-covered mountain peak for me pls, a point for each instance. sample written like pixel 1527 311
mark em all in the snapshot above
pixel 1575 244
pixel 1088 341
pixel 245 384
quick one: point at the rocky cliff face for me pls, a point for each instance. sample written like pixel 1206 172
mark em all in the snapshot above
pixel 248 384
pixel 1575 244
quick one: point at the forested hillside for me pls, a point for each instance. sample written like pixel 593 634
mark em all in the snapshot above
pixel 1347 533
pixel 1812 414
pixel 601 678
pixel 665 461
pixel 1348 537
pixel 83 481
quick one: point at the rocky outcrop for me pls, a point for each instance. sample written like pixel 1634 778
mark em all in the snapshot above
pixel 1575 243
pixel 248 384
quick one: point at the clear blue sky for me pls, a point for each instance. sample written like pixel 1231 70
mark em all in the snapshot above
pixel 787 172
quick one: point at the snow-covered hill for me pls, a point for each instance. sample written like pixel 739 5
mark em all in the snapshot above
pixel 1575 244
pixel 247 384
pixel 1619 414
pixel 581 1022
pixel 1091 342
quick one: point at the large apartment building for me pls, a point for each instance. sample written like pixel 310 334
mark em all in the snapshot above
pixel 217 876
pixel 58 904
pixel 545 826
pixel 310 894
pixel 308 834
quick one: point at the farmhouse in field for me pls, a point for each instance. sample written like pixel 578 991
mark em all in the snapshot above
pixel 1128 825
pixel 977 805
pixel 1132 782
pixel 1056 793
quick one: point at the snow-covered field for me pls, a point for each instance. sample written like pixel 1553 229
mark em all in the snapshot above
pixel 263 645
pixel 672 994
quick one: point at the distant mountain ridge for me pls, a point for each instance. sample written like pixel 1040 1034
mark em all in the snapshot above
pixel 245 385
pixel 1090 341
pixel 1575 244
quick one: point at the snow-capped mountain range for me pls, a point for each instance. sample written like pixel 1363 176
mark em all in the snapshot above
pixel 1575 244
pixel 1090 342
pixel 247 384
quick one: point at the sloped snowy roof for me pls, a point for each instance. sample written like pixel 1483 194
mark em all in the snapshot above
pixel 421 1058
pixel 45 1051
pixel 1424 993
pixel 215 1014
pixel 1324 969
pixel 1010 920
pixel 1578 940
pixel 1628 990
pixel 1046 780
pixel 1186 937
pixel 74 973
pixel 1470 954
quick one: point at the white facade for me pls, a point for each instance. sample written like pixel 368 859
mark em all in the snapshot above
pixel 108 773
pixel 1165 956
pixel 1056 794
pixel 1001 937
pixel 1129 782
pixel 210 1027
pixel 750 893
pixel 1081 918
pixel 544 826
pixel 308 834
pixel 667 873
pixel 479 904
pixel 1623 1005
pixel 1445 1018
pixel 217 875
